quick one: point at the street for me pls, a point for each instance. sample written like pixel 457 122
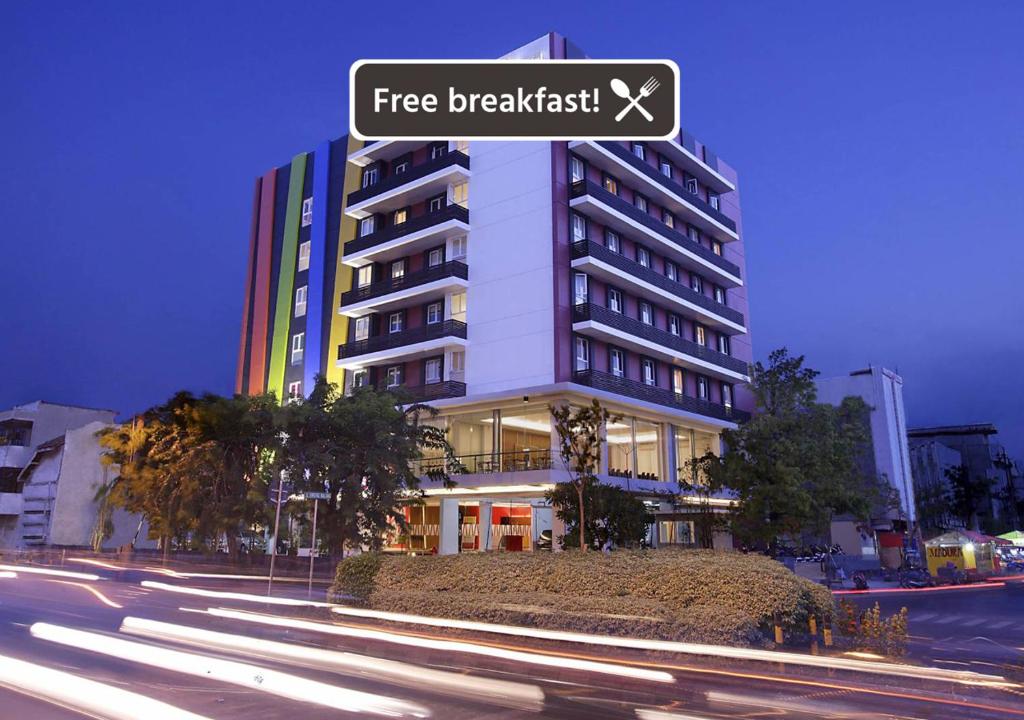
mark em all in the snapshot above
pixel 214 647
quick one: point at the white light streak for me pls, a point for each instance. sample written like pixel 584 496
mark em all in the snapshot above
pixel 48 571
pixel 8 574
pixel 223 595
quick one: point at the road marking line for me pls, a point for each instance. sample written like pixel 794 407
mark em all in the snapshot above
pixel 975 621
pixel 946 619
pixel 1000 625
pixel 924 617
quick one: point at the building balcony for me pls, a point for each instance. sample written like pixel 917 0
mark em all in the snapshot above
pixel 419 233
pixel 427 392
pixel 597 260
pixel 594 201
pixel 688 207
pixel 684 158
pixel 391 293
pixel 374 151
pixel 16 456
pixel 414 185
pixel 659 396
pixel 598 321
pixel 485 463
pixel 11 503
pixel 409 344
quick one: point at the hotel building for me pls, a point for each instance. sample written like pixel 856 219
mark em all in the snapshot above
pixel 493 279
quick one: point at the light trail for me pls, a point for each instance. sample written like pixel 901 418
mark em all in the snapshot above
pixel 449 646
pixel 686 648
pixel 47 571
pixel 223 595
pixel 8 574
pixel 878 591
pixel 85 696
pixel 99 596
pixel 97 563
pixel 253 677
pixel 501 692
pixel 649 714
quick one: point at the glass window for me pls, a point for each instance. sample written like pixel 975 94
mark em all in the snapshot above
pixel 684 454
pixel 640 202
pixel 435 257
pixel 611 241
pixel 300 300
pixel 671 270
pixel 699 334
pixel 716 247
pixel 400 216
pixel 458 247
pixel 294 390
pixel 648 450
pixel 611 184
pixel 367 226
pixel 458 305
pixel 525 435
pixel 719 295
pixel 396 321
pixel 307 212
pixel 435 313
pixel 705 443
pixel 472 435
pixel 304 256
pixel 693 233
pixel 460 194
pixel 577 169
pixel 703 388
pixel 362 328
pixel 677 381
pixel 647 372
pixel 727 395
pixel 617 362
pixel 370 176
pixel 400 167
pixel 724 346
pixel 364 276
pixel 696 283
pixel 582 354
pixel 579 227
pixel 432 371
pixel 436 204
pixel 675 532
pixel 394 376
pixel 298 346
pixel 620 447
pixel 668 218
pixel 581 293
pixel 674 326
pixel 360 378
pixel 665 167
pixel 643 256
pixel 640 150
pixel 713 201
pixel 458 364
pixel 398 269
pixel 691 185
pixel 646 313
pixel 614 300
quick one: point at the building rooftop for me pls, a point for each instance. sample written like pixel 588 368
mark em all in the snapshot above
pixel 972 429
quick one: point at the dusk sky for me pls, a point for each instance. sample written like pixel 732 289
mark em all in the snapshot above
pixel 880 148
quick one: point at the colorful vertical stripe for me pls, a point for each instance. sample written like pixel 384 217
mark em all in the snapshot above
pixel 281 344
pixel 343 274
pixel 261 293
pixel 317 250
pixel 254 224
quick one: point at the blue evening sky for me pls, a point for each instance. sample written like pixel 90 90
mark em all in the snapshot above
pixel 879 146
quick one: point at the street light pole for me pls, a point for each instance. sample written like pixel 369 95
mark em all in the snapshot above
pixel 277 523
pixel 312 548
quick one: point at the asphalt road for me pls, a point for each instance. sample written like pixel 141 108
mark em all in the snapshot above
pixel 265 663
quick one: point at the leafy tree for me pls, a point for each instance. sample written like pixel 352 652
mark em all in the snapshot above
pixel 611 513
pixel 579 446
pixel 699 483
pixel 967 493
pixel 934 503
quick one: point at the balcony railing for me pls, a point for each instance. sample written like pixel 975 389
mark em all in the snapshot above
pixel 427 392
pixel 601 314
pixel 451 212
pixel 409 280
pixel 514 461
pixel 659 396
pixel 448 328
pixel 588 248
pixel 453 157
pixel 588 187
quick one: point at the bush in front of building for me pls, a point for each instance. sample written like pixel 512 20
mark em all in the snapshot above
pixel 695 595
pixel 871 631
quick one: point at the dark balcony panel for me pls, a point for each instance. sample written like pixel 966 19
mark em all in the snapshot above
pixel 452 212
pixel 659 396
pixel 425 393
pixel 416 172
pixel 588 248
pixel 588 187
pixel 448 328
pixel 409 280
pixel 668 183
pixel 601 314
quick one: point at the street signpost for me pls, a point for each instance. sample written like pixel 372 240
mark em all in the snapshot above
pixel 316 497
pixel 280 492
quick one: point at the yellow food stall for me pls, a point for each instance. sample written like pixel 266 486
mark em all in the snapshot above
pixel 965 550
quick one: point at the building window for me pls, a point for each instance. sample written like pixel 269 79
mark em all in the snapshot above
pixel 398 269
pixel 581 289
pixel 298 345
pixel 617 362
pixel 394 376
pixel 611 184
pixel 307 212
pixel 674 325
pixel 295 390
pixel 640 202
pixel 614 300
pixel 716 247
pixel 367 226
pixel 665 167
pixel 458 366
pixel 693 233
pixel 719 295
pixel 370 176
pixel 400 216
pixel 696 283
pixel 700 334
pixel 646 313
pixel 458 305
pixel 579 227
pixel 396 321
pixel 582 354
pixel 300 300
pixel 640 150
pixel 703 388
pixel 435 257
pixel 362 328
pixel 643 256
pixel 677 381
pixel 304 256
pixel 435 313
pixel 713 201
pixel 400 166
pixel 691 185
pixel 458 247
pixel 436 204
pixel 460 194
pixel 577 169
pixel 671 270
pixel 668 218
pixel 360 378
pixel 432 371
pixel 611 241
pixel 724 346
pixel 647 372
pixel 364 276
pixel 438 150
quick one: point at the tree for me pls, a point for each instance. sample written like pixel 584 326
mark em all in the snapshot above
pixel 699 483
pixel 612 514
pixel 579 446
pixel 934 502
pixel 967 493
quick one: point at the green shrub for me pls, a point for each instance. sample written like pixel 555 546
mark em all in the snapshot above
pixel 698 595
pixel 869 630
pixel 356 576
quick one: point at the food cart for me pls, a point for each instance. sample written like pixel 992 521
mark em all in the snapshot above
pixel 962 552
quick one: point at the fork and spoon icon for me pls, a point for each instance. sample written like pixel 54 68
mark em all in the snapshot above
pixel 621 89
